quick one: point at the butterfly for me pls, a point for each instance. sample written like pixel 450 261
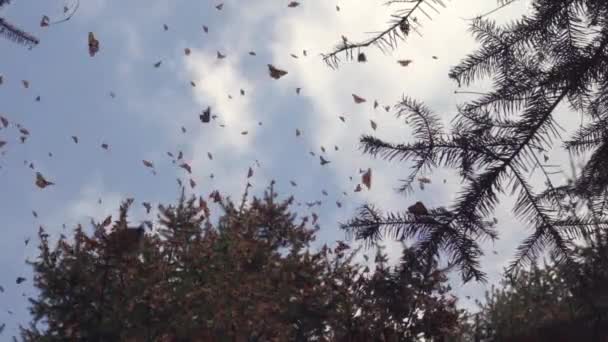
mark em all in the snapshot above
pixel 366 178
pixel 93 44
pixel 187 51
pixel 44 22
pixel 219 7
pixel 404 62
pixel 220 56
pixel 148 163
pixel 206 116
pixel 276 73
pixel 41 182
pixel 418 209
pixel 323 160
pixel 165 27
pixel 206 29
pixel 252 53
pixel 157 64
pixel 186 167
pixel 293 4
pixel 361 58
pixel 358 99
pixel 373 124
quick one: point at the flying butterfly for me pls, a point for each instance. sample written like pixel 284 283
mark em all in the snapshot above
pixel 206 116
pixel 42 182
pixel 404 62
pixel 358 99
pixel 276 73
pixel 93 44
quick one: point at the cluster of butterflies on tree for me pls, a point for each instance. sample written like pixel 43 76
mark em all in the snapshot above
pixel 95 46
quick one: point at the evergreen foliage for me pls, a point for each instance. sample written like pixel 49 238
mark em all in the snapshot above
pixel 553 59
pixel 252 276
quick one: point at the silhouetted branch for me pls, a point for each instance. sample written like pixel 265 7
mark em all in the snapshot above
pixel 398 30
pixel 16 35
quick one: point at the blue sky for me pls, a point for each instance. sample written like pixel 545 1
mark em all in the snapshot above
pixel 144 120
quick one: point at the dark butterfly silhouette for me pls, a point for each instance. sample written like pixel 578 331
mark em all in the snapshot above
pixel 276 73
pixel 206 115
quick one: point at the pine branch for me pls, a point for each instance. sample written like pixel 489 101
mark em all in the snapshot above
pixel 16 35
pixel 398 30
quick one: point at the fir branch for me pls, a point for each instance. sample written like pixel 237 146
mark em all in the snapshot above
pixel 16 35
pixel 398 29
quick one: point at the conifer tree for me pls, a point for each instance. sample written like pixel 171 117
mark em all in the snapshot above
pixel 250 276
pixel 551 60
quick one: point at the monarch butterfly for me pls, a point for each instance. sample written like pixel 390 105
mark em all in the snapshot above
pixel 93 44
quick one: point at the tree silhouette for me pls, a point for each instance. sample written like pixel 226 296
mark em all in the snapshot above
pixel 552 303
pixel 251 276
pixel 14 33
pixel 554 57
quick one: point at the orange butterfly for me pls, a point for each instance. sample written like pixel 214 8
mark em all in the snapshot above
pixel 366 178
pixel 93 44
pixel 41 182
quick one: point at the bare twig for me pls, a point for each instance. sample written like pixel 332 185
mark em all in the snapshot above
pixel 69 16
pixel 505 4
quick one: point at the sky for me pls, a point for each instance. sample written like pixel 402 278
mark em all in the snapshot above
pixel 144 120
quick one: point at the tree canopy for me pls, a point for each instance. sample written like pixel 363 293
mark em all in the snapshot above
pixel 552 59
pixel 251 276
